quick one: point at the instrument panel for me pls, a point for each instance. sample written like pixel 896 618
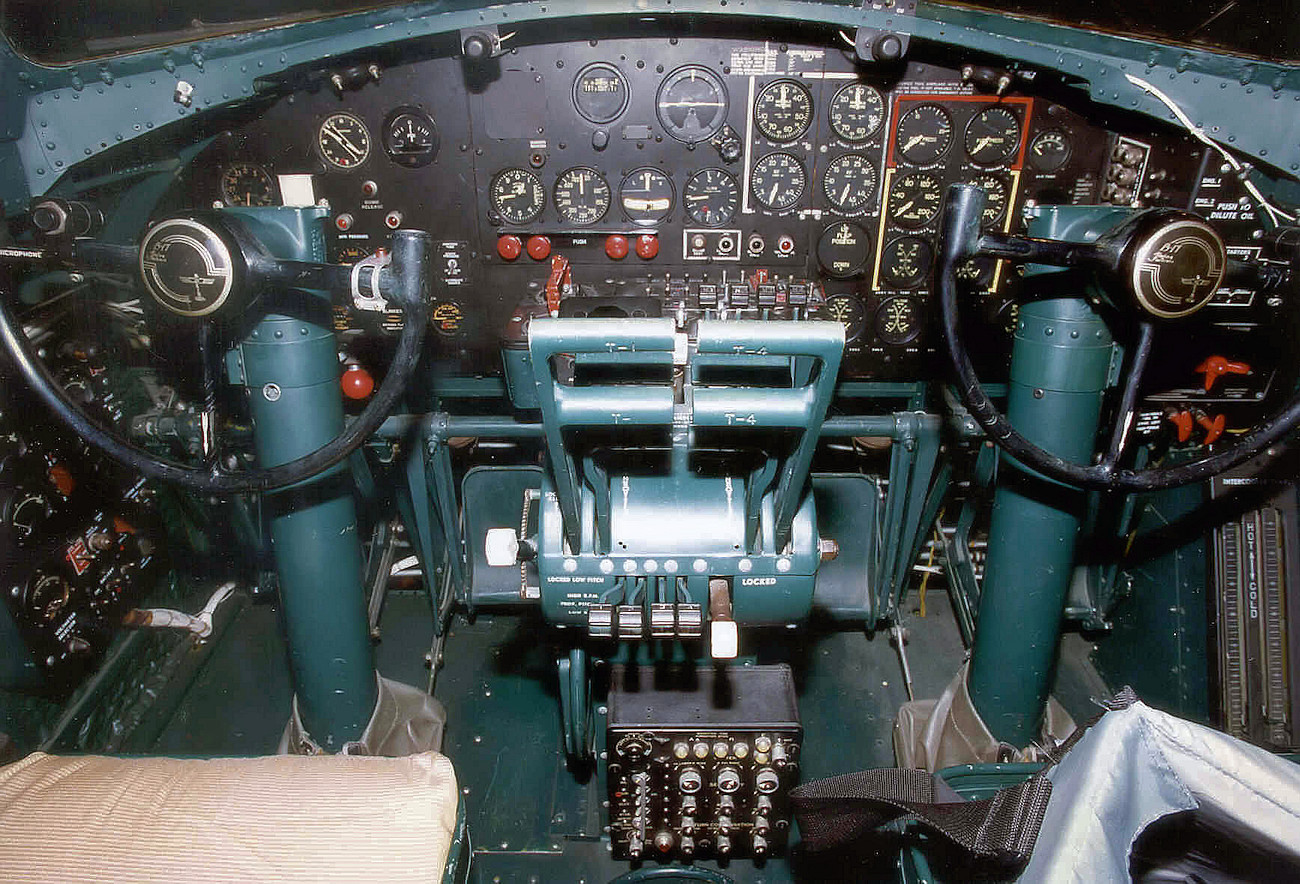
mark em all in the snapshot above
pixel 655 165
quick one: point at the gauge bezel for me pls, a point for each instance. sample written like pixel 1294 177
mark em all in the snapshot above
pixel 1004 203
pixel 495 205
pixel 870 191
pixel 761 122
pixel 370 141
pixel 228 168
pixel 617 72
pixel 1065 159
pixel 915 331
pixel 1007 154
pixel 757 194
pixel 410 161
pixel 657 217
pixel 854 330
pixel 568 219
pixel 670 80
pixel 902 122
pixel 735 197
pixel 898 182
pixel 839 94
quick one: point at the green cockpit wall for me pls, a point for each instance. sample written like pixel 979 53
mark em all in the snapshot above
pixel 53 118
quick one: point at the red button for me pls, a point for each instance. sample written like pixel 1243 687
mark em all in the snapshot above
pixel 509 247
pixel 647 246
pixel 616 246
pixel 343 222
pixel 356 382
pixel 539 247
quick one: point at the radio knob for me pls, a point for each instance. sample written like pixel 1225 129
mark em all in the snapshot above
pixel 766 780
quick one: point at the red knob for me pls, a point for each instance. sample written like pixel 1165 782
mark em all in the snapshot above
pixel 509 247
pixel 539 247
pixel 647 246
pixel 1216 367
pixel 356 382
pixel 616 246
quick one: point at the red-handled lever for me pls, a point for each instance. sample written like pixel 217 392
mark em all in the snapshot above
pixel 1213 426
pixel 1216 367
pixel 1183 421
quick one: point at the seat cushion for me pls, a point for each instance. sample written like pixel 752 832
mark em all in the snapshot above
pixel 280 818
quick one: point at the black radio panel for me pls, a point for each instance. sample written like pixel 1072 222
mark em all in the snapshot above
pixel 701 764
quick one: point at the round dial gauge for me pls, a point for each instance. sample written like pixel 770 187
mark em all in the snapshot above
pixel 343 140
pixel 692 104
pixel 914 200
pixel 48 596
pixel 976 272
pixel 849 312
pixel 581 196
pixel 849 183
pixel 856 112
pixel 446 318
pixel 898 320
pixel 923 134
pixel 517 196
pixel 843 249
pixel 777 181
pixel 26 516
pixel 783 110
pixel 247 184
pixel 906 261
pixel 600 93
pixel 1049 151
pixel 992 136
pixel 646 196
pixel 711 197
pixel 996 198
pixel 410 137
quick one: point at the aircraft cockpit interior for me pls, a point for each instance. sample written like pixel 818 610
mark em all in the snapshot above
pixel 650 440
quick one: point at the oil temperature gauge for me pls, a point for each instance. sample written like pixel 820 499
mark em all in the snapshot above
pixel 410 137
pixel 914 200
pixel 898 320
pixel 997 197
pixel 849 312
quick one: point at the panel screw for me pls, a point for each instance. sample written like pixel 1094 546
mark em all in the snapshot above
pixel 271 392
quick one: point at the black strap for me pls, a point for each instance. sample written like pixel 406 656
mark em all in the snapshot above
pixel 1002 829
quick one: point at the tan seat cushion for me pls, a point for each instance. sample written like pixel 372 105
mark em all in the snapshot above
pixel 281 818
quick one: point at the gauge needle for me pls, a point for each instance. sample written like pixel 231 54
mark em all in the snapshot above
pixel 342 140
pixel 775 187
pixel 914 141
pixel 985 141
pixel 905 207
pixel 696 199
pixel 844 197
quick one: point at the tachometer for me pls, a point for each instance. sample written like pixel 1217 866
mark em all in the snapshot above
pixel 914 200
pixel 711 197
pixel 924 134
pixel 992 136
pixel 516 195
pixel 692 104
pixel 581 196
pixel 646 195
pixel 343 140
pixel 778 181
pixel 247 184
pixel 856 112
pixel 783 110
pixel 600 93
pixel 410 137
pixel 849 312
pixel 849 183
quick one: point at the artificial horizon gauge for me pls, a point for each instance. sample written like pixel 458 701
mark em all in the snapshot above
pixel 914 200
pixel 600 93
pixel 849 183
pixel 581 196
pixel 692 104
pixel 856 112
pixel 992 136
pixel 1049 151
pixel 711 197
pixel 778 181
pixel 516 195
pixel 410 137
pixel 646 195
pixel 923 134
pixel 996 198
pixel 783 110
pixel 247 184
pixel 906 261
pixel 849 312
pixel 343 140
pixel 898 320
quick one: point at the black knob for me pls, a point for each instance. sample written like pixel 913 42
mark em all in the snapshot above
pixel 887 47
pixel 476 47
pixel 600 139
pixel 729 150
